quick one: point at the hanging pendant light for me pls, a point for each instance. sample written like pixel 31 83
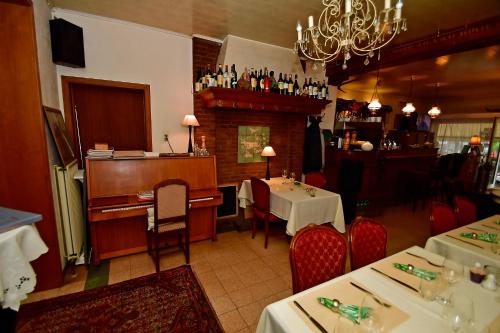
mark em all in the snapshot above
pixel 435 111
pixel 409 108
pixel 375 105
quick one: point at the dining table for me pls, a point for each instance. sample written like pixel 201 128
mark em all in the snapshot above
pixel 405 309
pixel 461 245
pixel 299 204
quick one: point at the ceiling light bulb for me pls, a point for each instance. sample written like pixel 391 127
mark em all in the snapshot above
pixel 408 109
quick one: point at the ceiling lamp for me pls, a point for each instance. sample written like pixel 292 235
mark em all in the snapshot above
pixel 358 30
pixel 435 111
pixel 375 105
pixel 409 108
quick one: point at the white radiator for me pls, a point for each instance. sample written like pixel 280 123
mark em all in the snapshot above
pixel 70 210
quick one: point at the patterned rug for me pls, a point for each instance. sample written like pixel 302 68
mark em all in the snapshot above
pixel 171 301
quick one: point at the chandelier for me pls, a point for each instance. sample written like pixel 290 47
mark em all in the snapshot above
pixel 358 30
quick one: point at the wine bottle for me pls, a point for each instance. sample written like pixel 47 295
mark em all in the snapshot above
pixel 227 78
pixel 234 77
pixel 305 88
pixel 280 84
pixel 261 81
pixel 285 85
pixel 323 90
pixel 253 80
pixel 267 81
pixel 290 85
pixel 296 87
pixel 197 82
pixel 220 77
pixel 208 76
pixel 327 96
pixel 310 88
pixel 315 90
pixel 274 84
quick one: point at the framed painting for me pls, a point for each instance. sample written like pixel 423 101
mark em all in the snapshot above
pixel 60 135
pixel 251 142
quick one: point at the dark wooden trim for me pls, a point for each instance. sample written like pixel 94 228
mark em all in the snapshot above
pixel 66 81
pixel 27 3
pixel 471 36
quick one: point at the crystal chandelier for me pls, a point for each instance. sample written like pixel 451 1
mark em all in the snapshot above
pixel 409 108
pixel 358 30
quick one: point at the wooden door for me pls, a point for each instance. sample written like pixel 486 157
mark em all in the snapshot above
pixel 115 113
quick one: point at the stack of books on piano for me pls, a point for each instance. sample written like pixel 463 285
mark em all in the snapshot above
pixel 99 153
pixel 145 196
pixel 128 154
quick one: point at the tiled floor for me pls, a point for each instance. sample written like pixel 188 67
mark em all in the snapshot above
pixel 239 276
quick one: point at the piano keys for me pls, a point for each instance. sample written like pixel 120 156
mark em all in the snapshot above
pixel 118 219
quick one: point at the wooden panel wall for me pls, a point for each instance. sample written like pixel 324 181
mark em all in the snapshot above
pixel 24 166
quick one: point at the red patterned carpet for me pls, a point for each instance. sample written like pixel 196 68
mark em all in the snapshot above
pixel 171 301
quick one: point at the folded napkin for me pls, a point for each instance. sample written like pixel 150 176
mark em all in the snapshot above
pixel 419 272
pixel 351 312
pixel 487 237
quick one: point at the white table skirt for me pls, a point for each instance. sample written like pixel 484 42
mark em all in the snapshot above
pixel 425 316
pixel 297 206
pixel 17 278
pixel 464 253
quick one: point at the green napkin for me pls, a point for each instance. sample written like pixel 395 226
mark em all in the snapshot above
pixel 419 272
pixel 348 311
pixel 487 237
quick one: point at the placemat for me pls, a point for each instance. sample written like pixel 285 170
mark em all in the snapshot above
pixel 347 294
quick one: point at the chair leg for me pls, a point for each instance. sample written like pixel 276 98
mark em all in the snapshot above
pixel 254 226
pixel 186 244
pixel 266 230
pixel 157 250
pixel 148 239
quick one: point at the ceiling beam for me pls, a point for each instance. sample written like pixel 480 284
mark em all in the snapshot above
pixel 471 36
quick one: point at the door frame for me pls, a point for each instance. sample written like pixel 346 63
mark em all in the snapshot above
pixel 66 81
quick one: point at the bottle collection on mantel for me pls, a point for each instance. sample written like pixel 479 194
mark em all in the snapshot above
pixel 259 81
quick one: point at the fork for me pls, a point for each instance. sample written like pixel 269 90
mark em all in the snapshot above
pixel 429 262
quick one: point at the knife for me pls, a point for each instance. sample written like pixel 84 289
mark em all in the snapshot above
pixel 314 321
pixel 489 226
pixel 371 294
pixel 458 239
pixel 471 228
pixel 396 280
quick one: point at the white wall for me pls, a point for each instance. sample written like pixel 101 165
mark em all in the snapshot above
pixel 123 51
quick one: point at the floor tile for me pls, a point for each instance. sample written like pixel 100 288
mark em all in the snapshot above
pixel 251 312
pixel 222 304
pixel 118 277
pixel 232 283
pixel 241 297
pixel 232 321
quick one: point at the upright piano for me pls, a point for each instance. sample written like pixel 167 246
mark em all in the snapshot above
pixel 118 219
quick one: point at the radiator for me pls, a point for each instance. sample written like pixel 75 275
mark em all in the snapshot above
pixel 71 213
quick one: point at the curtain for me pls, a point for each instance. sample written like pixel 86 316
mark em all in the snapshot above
pixel 453 136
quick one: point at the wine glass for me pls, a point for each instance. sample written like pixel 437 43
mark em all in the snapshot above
pixel 458 313
pixel 284 175
pixel 430 289
pixel 292 176
pixel 453 271
pixel 371 315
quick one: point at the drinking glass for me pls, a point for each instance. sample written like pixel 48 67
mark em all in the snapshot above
pixel 458 313
pixel 453 271
pixel 292 176
pixel 430 289
pixel 284 175
pixel 374 321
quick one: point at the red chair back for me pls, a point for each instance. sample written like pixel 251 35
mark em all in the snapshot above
pixel 317 254
pixel 261 194
pixel 367 242
pixel 316 179
pixel 465 209
pixel 443 218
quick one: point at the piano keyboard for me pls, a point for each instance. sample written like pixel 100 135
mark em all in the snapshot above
pixel 125 208
pixel 201 199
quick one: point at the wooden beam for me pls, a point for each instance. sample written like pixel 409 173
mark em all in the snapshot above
pixel 471 36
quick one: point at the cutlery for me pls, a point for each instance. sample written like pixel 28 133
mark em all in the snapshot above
pixel 471 228
pixel 314 321
pixel 396 280
pixel 429 262
pixel 464 241
pixel 371 294
pixel 489 226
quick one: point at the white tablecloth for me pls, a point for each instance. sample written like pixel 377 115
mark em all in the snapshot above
pixel 424 316
pixel 465 253
pixel 292 203
pixel 17 248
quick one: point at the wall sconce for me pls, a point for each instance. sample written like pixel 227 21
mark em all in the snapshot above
pixel 190 121
pixel 268 152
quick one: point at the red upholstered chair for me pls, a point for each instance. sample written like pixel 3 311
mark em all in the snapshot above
pixel 317 254
pixel 316 179
pixel 261 206
pixel 465 209
pixel 367 242
pixel 443 218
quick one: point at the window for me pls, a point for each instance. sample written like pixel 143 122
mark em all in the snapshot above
pixel 452 136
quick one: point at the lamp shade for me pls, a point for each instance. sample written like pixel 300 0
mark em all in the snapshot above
pixel 434 112
pixel 268 151
pixel 408 109
pixel 374 105
pixel 190 120
pixel 475 140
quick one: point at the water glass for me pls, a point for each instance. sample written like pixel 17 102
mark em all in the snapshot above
pixel 430 289
pixel 284 175
pixel 374 322
pixel 458 313
pixel 453 271
pixel 292 176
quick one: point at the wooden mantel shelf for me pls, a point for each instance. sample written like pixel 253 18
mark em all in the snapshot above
pixel 248 100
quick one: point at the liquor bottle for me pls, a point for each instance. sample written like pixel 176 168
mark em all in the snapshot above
pixel 267 81
pixel 315 90
pixel 285 85
pixel 261 81
pixel 203 81
pixel 310 88
pixel 213 80
pixel 220 77
pixel 234 77
pixel 323 90
pixel 208 76
pixel 253 80
pixel 227 78
pixel 305 88
pixel 290 85
pixel 280 84
pixel 296 87
pixel 197 84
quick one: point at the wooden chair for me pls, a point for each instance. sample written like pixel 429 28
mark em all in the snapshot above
pixel 367 242
pixel 316 179
pixel 171 215
pixel 317 254
pixel 442 219
pixel 465 209
pixel 261 206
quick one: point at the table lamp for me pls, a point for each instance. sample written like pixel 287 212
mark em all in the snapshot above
pixel 190 121
pixel 268 152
